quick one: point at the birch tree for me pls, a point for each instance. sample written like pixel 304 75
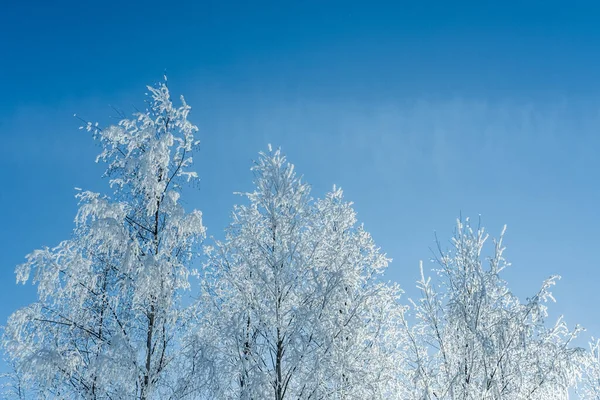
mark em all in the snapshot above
pixel 298 305
pixel 109 311
pixel 474 339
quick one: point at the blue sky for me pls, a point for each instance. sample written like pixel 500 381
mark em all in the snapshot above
pixel 421 111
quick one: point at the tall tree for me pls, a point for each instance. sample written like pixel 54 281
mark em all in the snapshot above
pixel 474 339
pixel 297 298
pixel 109 310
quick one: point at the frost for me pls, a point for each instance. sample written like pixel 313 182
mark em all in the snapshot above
pixel 474 339
pixel 292 304
pixel 109 303
pixel 300 312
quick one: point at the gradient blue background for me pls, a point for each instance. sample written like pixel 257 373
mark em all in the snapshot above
pixel 421 111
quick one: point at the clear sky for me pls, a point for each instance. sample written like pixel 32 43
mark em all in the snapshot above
pixel 420 110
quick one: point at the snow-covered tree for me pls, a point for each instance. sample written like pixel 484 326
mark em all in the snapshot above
pixel 474 339
pixel 298 305
pixel 589 388
pixel 109 311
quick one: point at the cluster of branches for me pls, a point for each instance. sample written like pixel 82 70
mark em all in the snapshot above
pixel 291 304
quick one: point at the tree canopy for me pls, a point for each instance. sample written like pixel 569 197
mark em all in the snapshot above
pixel 291 303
